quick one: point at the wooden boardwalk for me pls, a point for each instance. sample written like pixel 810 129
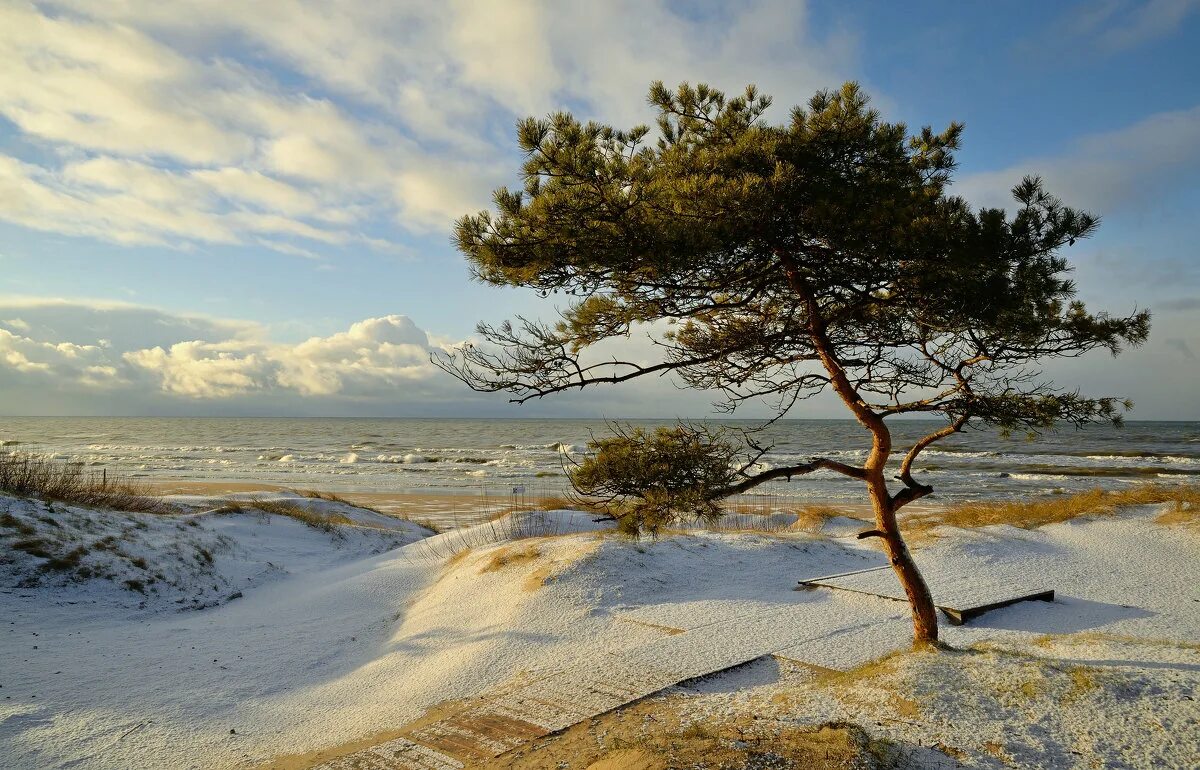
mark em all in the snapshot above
pixel 509 716
pixel 830 630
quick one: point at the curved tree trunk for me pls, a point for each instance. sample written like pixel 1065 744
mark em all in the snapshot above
pixel 925 627
pixel 924 614
pixel 920 601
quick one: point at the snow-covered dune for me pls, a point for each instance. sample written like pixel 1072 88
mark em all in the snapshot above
pixel 344 633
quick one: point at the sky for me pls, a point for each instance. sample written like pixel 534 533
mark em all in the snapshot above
pixel 211 207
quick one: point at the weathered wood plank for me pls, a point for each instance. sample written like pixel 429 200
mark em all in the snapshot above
pixel 960 597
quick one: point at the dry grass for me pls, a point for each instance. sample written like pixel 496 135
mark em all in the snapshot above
pixel 326 522
pixel 835 678
pixel 316 494
pixel 812 518
pixel 652 735
pixel 1103 637
pixel 508 555
pixel 1030 514
pixel 1181 516
pixel 26 475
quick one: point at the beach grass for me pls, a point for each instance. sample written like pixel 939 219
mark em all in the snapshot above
pixel 1031 514
pixel 322 520
pixel 45 478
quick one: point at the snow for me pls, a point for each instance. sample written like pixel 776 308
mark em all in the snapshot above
pixel 342 634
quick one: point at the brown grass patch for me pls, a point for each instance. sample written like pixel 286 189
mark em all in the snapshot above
pixel 508 555
pixel 812 518
pixel 326 522
pixel 996 750
pixel 1083 681
pixel 1031 514
pixel 653 735
pixel 831 677
pixel 316 494
pixel 1088 637
pixel 561 503
pixel 1180 516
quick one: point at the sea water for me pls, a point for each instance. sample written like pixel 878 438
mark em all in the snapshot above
pixel 465 455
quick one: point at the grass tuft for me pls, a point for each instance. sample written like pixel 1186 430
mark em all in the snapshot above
pixel 503 557
pixel 27 475
pixel 326 522
pixel 812 518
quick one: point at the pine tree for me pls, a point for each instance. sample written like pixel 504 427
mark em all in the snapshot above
pixel 779 261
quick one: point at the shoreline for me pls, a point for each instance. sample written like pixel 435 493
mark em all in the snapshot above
pixel 451 508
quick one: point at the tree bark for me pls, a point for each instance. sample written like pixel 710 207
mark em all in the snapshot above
pixel 924 614
pixel 920 600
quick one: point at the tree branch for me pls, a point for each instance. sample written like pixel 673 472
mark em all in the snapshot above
pixel 789 471
pixel 913 489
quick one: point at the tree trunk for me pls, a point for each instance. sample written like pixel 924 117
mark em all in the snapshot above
pixel 925 629
pixel 920 601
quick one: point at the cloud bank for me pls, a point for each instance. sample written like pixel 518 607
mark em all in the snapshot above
pixel 55 345
pixel 306 128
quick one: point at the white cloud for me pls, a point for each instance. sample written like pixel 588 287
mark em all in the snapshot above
pixel 56 360
pixel 376 357
pixel 1118 25
pixel 297 125
pixel 1101 171
pixel 148 351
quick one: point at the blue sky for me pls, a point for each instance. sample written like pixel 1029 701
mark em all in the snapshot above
pixel 233 208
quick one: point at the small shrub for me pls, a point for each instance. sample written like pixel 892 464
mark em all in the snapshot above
pixel 648 480
pixel 10 522
pixel 66 562
pixel 33 546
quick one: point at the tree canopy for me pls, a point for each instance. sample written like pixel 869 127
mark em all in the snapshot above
pixel 778 261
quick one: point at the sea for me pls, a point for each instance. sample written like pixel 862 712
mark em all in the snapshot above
pixel 496 456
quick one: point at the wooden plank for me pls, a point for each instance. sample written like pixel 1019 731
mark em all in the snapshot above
pixel 819 580
pixel 974 598
pixel 960 616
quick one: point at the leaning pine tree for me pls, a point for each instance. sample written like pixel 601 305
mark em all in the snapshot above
pixel 778 261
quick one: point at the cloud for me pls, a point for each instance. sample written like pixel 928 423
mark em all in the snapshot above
pixel 1183 304
pixel 80 347
pixel 1107 27
pixel 1104 171
pixel 302 127
pixel 377 357
pixel 1118 25
pixel 1181 347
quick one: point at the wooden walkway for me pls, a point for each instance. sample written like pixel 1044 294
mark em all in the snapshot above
pixel 830 630
pixel 509 716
